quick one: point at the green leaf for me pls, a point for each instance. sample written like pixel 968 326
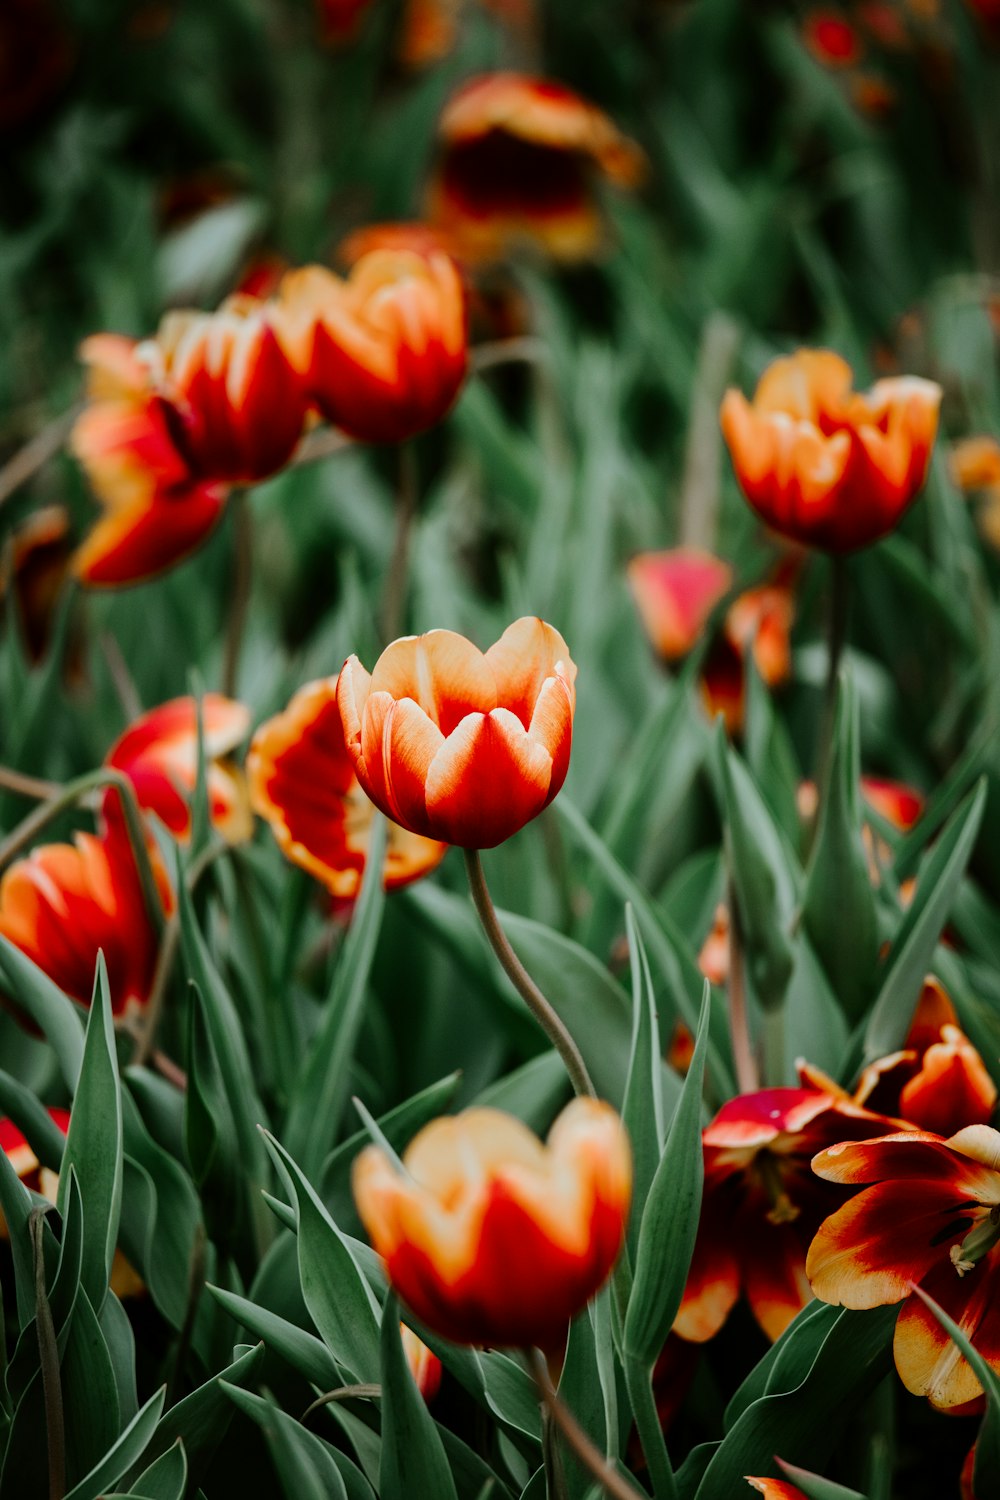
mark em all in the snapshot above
pixel 816 1488
pixel 335 1291
pixel 93 1416
pixel 127 1450
pixel 210 1135
pixel 642 1111
pixel 764 876
pixel 55 1015
pixel 839 897
pixel 43 1135
pixel 166 1477
pixel 304 1463
pixel 413 1459
pixel 319 1097
pixel 913 946
pixel 670 1219
pixel 988 1442
pixel 15 1205
pixel 94 1143
pixel 300 1349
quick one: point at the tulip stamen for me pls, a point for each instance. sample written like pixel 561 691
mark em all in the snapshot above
pixel 782 1210
pixel 977 1243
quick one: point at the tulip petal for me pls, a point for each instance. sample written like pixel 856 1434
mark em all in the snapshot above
pixel 442 672
pixel 927 1360
pixel 526 655
pixel 410 742
pixel 488 779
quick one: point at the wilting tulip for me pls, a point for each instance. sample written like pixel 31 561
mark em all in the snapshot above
pixel 302 781
pixel 928 1214
pixel 233 404
pixel 937 1081
pixel 675 593
pixel 383 354
pixel 425 1367
pixel 66 903
pixel 491 1237
pixel 159 755
pixel 762 1204
pixel 459 745
pixel 825 465
pixel 518 163
pixel 156 510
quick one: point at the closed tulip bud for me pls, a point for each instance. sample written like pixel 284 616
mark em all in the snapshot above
pixel 491 1237
pixel 234 405
pixel 382 354
pixel 825 465
pixel 460 745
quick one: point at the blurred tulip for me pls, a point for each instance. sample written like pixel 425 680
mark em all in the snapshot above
pixel 831 38
pixel 928 1214
pixel 713 957
pixel 762 1204
pixel 425 1367
pixel 822 464
pixel 519 159
pixel 460 745
pixel 22 1158
pixel 775 1489
pixel 675 593
pixel 975 463
pixel 156 511
pixel 759 623
pixel 65 903
pixel 395 235
pixel 340 21
pixel 159 755
pixel 302 781
pixel 491 1237
pixel 35 570
pixel 383 354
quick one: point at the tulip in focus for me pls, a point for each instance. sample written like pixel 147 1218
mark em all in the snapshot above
pixel 928 1213
pixel 762 1205
pixel 65 903
pixel 460 745
pixel 156 511
pixel 302 781
pixel 518 164
pixel 491 1237
pixel 825 465
pixel 159 755
pixel 384 353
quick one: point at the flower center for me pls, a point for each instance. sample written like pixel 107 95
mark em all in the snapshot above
pixel 978 1242
pixel 782 1210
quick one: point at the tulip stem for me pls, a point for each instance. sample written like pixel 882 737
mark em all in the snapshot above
pixel 638 1383
pixel 394 599
pixel 747 1079
pixel 239 602
pixel 593 1460
pixel 27 786
pixel 522 981
pixel 836 637
pixel 36 452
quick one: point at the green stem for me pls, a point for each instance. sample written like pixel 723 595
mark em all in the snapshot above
pixel 593 1460
pixel 394 599
pixel 747 1079
pixel 836 637
pixel 773 1041
pixel 522 981
pixel 239 603
pixel 48 1359
pixel 647 1421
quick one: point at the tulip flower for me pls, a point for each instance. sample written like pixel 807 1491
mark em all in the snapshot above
pixel 22 1158
pixel 928 1214
pixel 827 466
pixel 384 353
pixel 460 745
pixel 159 755
pixel 302 781
pixel 775 1489
pixel 65 903
pixel 519 158
pixel 156 511
pixel 491 1237
pixel 39 560
pixel 425 1367
pixel 831 39
pixel 758 623
pixel 234 406
pixel 762 1204
pixel 936 1082
pixel 675 593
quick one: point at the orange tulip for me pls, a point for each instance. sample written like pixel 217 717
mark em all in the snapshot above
pixel 975 463
pixel 675 593
pixel 761 1205
pixel 383 354
pixel 823 464
pixel 159 755
pixel 459 745
pixel 302 781
pixel 518 162
pixel 233 404
pixel 775 1489
pixel 928 1214
pixel 156 511
pixel 758 622
pixel 491 1237
pixel 66 903
pixel 425 1367
pixel 395 235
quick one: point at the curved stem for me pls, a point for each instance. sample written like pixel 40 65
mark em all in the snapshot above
pixel 593 1460
pixel 650 1430
pixel 27 786
pixel 394 598
pixel 522 981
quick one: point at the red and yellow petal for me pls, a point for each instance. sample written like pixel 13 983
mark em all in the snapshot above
pixel 675 593
pixel 136 542
pixel 929 1364
pixel 487 780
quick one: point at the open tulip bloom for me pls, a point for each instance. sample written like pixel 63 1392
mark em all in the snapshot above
pixel 491 1237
